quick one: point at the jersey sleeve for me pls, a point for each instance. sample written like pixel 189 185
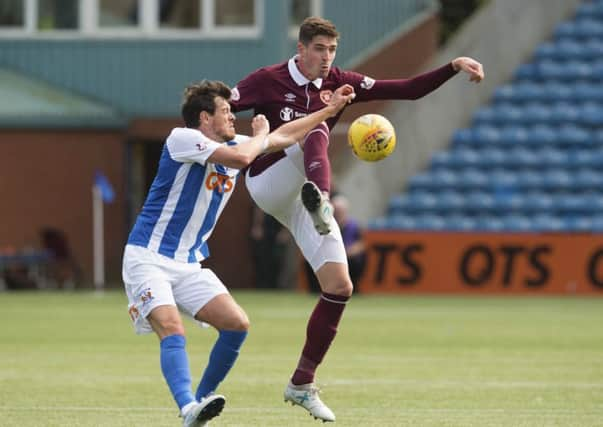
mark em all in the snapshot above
pixel 368 89
pixel 190 145
pixel 247 94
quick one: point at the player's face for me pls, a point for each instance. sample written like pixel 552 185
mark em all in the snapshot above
pixel 316 58
pixel 222 121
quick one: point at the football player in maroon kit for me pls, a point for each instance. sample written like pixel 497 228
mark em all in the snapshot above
pixel 285 92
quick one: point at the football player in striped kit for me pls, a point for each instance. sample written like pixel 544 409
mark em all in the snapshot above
pixel 161 272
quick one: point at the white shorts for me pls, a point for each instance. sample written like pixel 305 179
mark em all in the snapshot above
pixel 152 279
pixel 277 192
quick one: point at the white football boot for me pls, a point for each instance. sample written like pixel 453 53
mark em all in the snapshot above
pixel 306 396
pixel 202 412
pixel 318 206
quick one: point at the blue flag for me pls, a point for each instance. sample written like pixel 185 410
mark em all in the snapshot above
pixel 105 187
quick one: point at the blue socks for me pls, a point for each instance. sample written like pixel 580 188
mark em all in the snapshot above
pixel 221 359
pixel 174 365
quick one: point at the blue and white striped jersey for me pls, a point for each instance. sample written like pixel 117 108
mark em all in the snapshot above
pixel 186 197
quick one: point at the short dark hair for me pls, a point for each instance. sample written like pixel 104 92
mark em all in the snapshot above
pixel 316 26
pixel 202 97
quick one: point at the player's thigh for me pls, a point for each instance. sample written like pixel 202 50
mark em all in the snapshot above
pixel 196 289
pixel 147 285
pixel 317 249
pixel 276 188
pixel 223 313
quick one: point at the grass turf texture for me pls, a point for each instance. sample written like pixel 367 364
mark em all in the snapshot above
pixel 73 360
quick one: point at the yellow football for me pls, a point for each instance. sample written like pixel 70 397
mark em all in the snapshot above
pixel 372 137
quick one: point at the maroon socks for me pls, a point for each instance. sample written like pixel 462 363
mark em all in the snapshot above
pixel 316 160
pixel 320 332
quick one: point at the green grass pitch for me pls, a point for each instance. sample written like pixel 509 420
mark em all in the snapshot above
pixel 72 359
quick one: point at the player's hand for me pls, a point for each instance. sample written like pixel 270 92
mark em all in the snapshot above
pixel 469 66
pixel 343 95
pixel 260 125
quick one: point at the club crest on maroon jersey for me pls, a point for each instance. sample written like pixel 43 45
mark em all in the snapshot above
pixel 326 95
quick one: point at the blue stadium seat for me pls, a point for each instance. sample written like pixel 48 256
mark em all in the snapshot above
pixel 430 222
pixel 571 204
pixel 535 113
pixel 521 157
pixel 579 159
pixel 542 135
pixel 548 223
pixel 479 202
pixel 517 223
pixel 509 202
pixel 530 180
pixel 463 137
pixel 588 28
pixel 527 72
pixel 485 115
pixel 450 202
pixel 578 223
pixel 460 223
pixel 402 222
pixel 420 181
pixel 472 179
pixel 597 224
pixel 552 157
pixel 520 92
pixel 380 223
pixel 562 50
pixel 493 158
pixel 557 180
pixel 566 30
pixel 489 223
pixel 591 9
pixel 583 92
pixel 554 91
pixel 514 135
pixel 592 115
pixel 537 201
pixel 573 135
pixel 588 180
pixel 486 135
pixel 564 113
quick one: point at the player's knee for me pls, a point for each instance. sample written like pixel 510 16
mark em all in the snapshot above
pixel 240 322
pixel 171 327
pixel 343 287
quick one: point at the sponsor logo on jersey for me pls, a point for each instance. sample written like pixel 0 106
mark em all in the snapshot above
pixel 290 97
pixel 222 183
pixel 326 95
pixel 286 114
pixel 234 94
pixel 201 146
pixel 367 83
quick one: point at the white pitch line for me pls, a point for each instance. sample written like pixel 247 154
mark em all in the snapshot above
pixel 273 410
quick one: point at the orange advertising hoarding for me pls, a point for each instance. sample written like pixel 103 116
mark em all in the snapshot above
pixel 483 263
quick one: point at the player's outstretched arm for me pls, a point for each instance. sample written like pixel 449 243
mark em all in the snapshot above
pixel 241 155
pixel 469 66
pixel 294 131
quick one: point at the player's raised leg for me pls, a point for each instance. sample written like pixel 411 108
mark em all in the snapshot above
pixel 315 192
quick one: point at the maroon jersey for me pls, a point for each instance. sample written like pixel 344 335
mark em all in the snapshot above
pixel 282 93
